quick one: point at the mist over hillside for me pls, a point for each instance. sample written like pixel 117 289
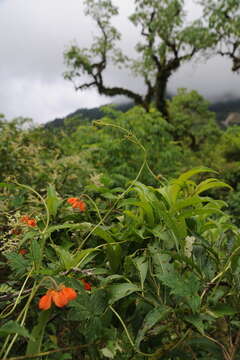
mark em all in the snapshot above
pixel 222 107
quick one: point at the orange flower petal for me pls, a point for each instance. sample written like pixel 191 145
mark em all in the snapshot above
pixel 69 293
pixel 72 200
pixel 46 301
pixel 31 222
pixel 79 205
pixel 59 298
pixel 24 219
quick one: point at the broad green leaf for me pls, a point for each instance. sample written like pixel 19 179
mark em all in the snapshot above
pixel 185 176
pixel 210 184
pixel 52 201
pixel 65 256
pixel 120 291
pixel 221 310
pixel 114 255
pixel 190 201
pixel 151 319
pixel 13 327
pixel 103 234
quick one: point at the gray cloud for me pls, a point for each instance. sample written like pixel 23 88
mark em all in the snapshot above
pixel 33 36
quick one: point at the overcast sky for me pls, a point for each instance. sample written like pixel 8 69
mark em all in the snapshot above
pixel 33 37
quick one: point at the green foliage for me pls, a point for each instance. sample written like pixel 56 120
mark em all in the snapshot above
pixel 223 21
pixel 154 262
pixel 193 124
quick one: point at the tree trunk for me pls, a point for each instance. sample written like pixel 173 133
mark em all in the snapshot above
pixel 160 93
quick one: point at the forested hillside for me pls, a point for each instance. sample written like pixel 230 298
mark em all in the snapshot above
pixel 221 108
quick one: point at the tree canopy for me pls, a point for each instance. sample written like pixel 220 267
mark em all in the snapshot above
pixel 223 21
pixel 166 42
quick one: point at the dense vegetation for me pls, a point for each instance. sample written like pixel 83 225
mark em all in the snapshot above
pixel 119 237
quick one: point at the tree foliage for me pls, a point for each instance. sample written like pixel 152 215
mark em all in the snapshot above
pixel 223 20
pixel 167 42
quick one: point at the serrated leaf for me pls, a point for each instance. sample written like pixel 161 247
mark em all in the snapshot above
pixel 184 286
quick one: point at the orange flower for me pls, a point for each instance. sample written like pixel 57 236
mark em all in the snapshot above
pixel 87 285
pixel 77 203
pixel 59 297
pixel 28 221
pixel 72 200
pixel 31 222
pixel 22 251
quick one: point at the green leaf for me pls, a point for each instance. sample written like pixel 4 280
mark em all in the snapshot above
pixel 10 186
pixel 210 184
pixel 34 345
pixel 52 201
pixel 36 253
pixel 85 226
pixel 221 310
pixel 66 257
pixel 151 319
pixel 120 291
pixel 114 255
pixel 12 327
pixel 196 321
pixel 141 264
pixel 103 234
pixel 185 176
pixel 186 286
